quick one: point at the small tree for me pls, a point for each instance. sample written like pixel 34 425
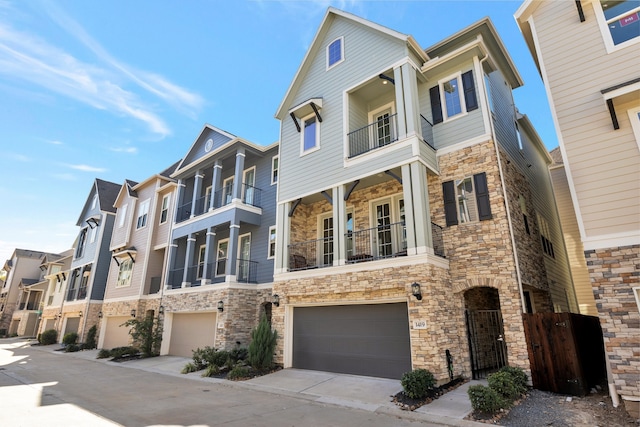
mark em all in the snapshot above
pixel 147 334
pixel 263 344
pixel 90 342
pixel 70 338
pixel 48 337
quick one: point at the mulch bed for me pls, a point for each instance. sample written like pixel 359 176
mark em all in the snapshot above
pixel 408 404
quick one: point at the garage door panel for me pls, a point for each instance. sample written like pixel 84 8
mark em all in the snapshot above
pixel 368 339
pixel 116 335
pixel 190 331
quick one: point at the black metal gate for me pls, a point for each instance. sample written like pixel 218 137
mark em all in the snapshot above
pixel 486 342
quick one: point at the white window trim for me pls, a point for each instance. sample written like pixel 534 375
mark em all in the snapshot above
pixel 201 260
pixel 443 102
pixel 225 183
pixel 341 38
pixel 123 215
pixel 143 210
pixel 274 169
pixel 120 283
pixel 271 229
pixel 304 152
pixel 166 197
pixel 239 252
pixel 634 118
pixel 473 199
pixel 606 34
pixel 218 256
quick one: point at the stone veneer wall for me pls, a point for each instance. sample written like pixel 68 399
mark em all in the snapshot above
pixel 614 272
pixel 242 309
pixel 442 310
pixel 481 253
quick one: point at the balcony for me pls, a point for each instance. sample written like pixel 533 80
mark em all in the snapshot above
pixel 223 196
pixel 375 135
pixel 154 286
pixel 387 241
pixel 71 294
pixel 247 272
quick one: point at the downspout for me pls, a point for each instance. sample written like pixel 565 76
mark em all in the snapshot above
pixel 506 198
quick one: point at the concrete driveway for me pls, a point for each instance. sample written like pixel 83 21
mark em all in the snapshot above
pixel 43 387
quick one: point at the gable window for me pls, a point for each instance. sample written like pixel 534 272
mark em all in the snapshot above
pixel 94 232
pixel 466 200
pixel 274 169
pixel 619 20
pixel 124 274
pixel 143 213
pixel 82 240
pixel 454 96
pixel 335 52
pixel 272 242
pixel 547 245
pixel 94 202
pixel 310 134
pixel 164 211
pixel 122 215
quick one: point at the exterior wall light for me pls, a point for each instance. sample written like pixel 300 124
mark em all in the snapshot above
pixel 80 313
pixel 276 300
pixel 161 309
pixel 133 313
pixel 99 315
pixel 415 291
pixel 220 306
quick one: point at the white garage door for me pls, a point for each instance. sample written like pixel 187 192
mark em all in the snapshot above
pixel 190 331
pixel 116 335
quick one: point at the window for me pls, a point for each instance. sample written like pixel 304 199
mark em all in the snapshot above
pixel 634 118
pixel 94 202
pixel 94 232
pixel 272 242
pixel 466 200
pixel 619 20
pixel 274 169
pixel 164 211
pixel 124 274
pixel 82 239
pixel 244 257
pixel 122 215
pixel 227 191
pixel 519 136
pixel 547 245
pixel 310 134
pixel 221 257
pixel 202 252
pixel 335 52
pixel 143 212
pixel 453 96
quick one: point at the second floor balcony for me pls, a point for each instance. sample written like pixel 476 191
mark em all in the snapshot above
pixel 250 195
pixel 216 272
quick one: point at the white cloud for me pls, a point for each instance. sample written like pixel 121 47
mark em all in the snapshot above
pixel 54 142
pixel 19 157
pixel 86 168
pixel 128 150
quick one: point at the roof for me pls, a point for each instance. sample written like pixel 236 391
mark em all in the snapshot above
pixel 556 155
pixel 171 169
pixel 107 193
pixel 315 46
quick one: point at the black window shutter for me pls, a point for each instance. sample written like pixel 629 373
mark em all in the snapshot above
pixel 470 98
pixel 436 107
pixel 482 196
pixel 449 196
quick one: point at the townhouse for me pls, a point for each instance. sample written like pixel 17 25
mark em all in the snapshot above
pixel 21 293
pixel 219 270
pixel 587 53
pixel 56 277
pixel 415 220
pixel 138 251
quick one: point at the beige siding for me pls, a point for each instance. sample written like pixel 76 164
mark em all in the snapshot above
pixel 606 180
pixel 120 235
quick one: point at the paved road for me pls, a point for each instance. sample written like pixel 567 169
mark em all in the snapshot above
pixel 43 388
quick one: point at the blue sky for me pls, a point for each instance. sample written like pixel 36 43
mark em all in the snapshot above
pixel 120 89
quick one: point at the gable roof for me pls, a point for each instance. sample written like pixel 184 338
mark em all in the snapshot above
pixel 107 193
pixel 313 49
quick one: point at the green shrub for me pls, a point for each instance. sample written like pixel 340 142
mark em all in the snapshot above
pixel 103 354
pixel 263 344
pixel 503 383
pixel 146 333
pixel 189 367
pixel 210 371
pixel 121 352
pixel 239 353
pixel 70 338
pixel 239 372
pixel 90 342
pixel 416 384
pixel 485 399
pixel 48 337
pixel 518 376
pixel 71 348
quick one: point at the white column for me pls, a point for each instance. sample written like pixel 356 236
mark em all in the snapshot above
pixel 283 230
pixel 339 226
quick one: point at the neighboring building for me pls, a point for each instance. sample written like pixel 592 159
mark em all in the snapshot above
pixel 406 172
pixel 91 259
pixel 220 266
pixel 21 271
pixel 138 251
pixel 588 54
pixel 56 276
pixel 575 251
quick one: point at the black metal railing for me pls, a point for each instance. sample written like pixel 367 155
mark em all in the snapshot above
pixel 82 292
pixel 71 293
pixel 438 242
pixel 316 253
pixel 384 241
pixel 427 131
pixel 221 197
pixel 174 281
pixel 21 306
pixel 373 136
pixel 247 271
pixel 32 306
pixel 251 195
pixel 184 212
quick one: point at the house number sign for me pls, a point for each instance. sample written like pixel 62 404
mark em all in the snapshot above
pixel 419 324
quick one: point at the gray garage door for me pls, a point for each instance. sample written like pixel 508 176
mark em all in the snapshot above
pixel 369 339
